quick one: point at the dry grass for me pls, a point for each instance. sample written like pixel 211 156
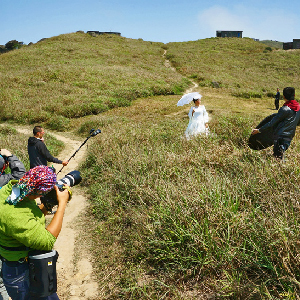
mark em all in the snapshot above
pixel 173 219
pixel 243 66
pixel 74 75
pixel 192 219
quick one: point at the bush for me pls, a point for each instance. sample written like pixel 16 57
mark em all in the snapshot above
pixel 13 44
pixel 59 123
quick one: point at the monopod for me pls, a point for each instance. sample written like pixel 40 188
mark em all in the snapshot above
pixel 93 133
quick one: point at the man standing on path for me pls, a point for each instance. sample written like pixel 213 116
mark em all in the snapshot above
pixel 38 152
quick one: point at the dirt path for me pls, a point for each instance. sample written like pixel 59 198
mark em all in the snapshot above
pixel 74 268
pixel 190 90
pixel 167 62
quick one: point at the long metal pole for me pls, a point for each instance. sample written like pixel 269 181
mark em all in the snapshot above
pixel 75 152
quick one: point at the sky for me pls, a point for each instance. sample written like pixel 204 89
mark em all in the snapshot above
pixel 151 20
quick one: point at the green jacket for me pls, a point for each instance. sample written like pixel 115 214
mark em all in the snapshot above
pixel 22 224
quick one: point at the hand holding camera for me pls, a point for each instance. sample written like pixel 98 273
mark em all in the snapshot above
pixel 53 197
pixel 62 195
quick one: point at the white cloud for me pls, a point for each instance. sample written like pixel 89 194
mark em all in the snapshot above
pixel 255 23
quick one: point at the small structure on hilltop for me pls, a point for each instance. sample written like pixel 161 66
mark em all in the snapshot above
pixel 295 44
pixel 228 33
pixel 95 33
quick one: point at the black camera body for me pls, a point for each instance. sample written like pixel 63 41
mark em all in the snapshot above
pixel 50 199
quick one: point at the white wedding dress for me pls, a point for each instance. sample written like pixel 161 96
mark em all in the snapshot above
pixel 197 121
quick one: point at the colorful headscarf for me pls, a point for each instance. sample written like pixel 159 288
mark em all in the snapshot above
pixel 37 181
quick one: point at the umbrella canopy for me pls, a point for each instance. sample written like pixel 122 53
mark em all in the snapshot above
pixel 187 98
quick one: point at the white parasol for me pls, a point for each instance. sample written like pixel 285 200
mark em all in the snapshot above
pixel 187 98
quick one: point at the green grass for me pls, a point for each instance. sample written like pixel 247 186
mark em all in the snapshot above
pixel 74 75
pixel 179 219
pixel 273 44
pixel 245 67
pixel 170 218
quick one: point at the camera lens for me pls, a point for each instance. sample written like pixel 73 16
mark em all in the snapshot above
pixel 70 179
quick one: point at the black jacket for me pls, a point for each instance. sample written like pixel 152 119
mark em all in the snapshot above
pixel 284 123
pixel 39 154
pixel 17 170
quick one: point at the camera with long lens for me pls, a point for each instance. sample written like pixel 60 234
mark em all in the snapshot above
pixel 50 199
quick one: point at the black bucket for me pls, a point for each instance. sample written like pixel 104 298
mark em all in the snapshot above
pixel 42 273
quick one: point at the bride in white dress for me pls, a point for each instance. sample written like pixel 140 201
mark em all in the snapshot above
pixel 198 120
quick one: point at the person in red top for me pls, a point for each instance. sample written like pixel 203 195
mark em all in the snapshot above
pixel 284 123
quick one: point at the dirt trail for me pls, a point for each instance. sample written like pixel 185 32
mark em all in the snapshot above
pixel 74 268
pixel 190 90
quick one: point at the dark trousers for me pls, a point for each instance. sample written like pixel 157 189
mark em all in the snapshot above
pixel 16 281
pixel 277 103
pixel 280 146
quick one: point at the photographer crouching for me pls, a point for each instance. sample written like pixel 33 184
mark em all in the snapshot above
pixel 22 228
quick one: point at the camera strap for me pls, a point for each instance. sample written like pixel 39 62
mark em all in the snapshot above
pixel 20 248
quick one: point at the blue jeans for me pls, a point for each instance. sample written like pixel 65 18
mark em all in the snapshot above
pixel 16 281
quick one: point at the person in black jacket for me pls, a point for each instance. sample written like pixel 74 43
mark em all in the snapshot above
pixel 38 152
pixel 277 97
pixel 284 123
pixel 17 171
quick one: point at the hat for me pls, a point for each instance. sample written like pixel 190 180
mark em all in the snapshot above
pixel 37 181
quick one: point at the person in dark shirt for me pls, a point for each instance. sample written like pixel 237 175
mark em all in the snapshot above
pixel 17 169
pixel 38 152
pixel 277 97
pixel 284 123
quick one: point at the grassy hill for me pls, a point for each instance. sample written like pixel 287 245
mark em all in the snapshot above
pixel 273 44
pixel 207 218
pixel 179 219
pixel 245 67
pixel 74 75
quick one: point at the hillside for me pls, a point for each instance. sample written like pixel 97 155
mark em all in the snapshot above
pixel 202 219
pixel 273 44
pixel 245 67
pixel 207 218
pixel 74 75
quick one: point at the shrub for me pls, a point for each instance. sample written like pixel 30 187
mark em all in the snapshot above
pixel 59 123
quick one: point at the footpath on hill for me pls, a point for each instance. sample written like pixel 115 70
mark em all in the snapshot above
pixel 74 267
